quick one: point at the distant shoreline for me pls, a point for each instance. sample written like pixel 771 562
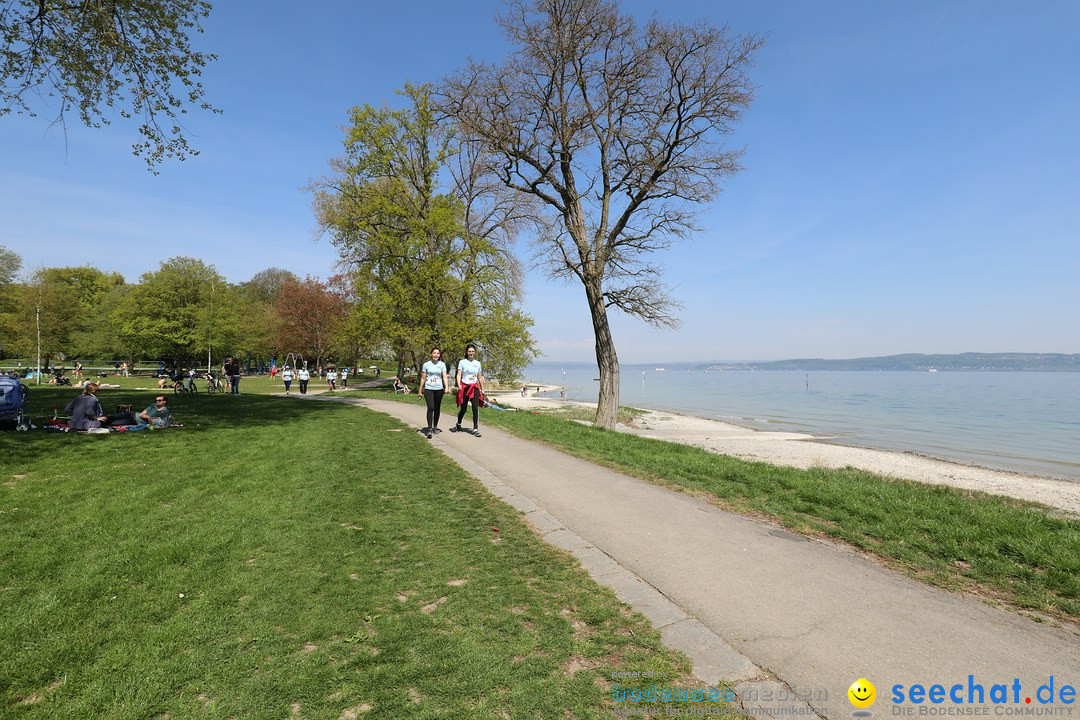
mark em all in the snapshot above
pixel 911 362
pixel 807 451
pixel 1021 422
pixel 919 362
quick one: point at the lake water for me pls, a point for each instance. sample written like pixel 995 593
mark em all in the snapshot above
pixel 1027 422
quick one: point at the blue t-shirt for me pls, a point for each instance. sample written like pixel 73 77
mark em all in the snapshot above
pixel 470 369
pixel 434 375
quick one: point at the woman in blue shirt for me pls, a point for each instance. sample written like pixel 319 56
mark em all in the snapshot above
pixel 470 379
pixel 433 382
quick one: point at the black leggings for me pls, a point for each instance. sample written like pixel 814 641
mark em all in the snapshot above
pixel 434 406
pixel 475 409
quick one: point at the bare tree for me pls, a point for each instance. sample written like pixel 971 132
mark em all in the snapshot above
pixel 618 132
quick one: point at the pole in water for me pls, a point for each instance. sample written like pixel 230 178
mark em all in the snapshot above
pixel 808 382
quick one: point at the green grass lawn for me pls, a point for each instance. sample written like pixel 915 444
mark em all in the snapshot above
pixel 1004 549
pixel 276 558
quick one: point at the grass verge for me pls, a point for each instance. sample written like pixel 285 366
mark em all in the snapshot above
pixel 1008 550
pixel 278 558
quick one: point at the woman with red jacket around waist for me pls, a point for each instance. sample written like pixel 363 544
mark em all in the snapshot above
pixel 470 380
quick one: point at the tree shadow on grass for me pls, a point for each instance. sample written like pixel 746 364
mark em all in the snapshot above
pixel 201 415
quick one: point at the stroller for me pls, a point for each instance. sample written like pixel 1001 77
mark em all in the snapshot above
pixel 13 402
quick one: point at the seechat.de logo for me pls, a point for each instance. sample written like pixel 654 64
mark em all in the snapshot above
pixel 862 695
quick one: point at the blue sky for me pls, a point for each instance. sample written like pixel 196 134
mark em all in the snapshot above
pixel 912 178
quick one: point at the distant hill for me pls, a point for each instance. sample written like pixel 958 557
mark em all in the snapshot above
pixel 1043 362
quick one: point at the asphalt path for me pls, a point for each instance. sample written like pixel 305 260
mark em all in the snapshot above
pixel 809 616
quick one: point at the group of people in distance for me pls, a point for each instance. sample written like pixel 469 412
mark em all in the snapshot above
pixel 86 413
pixel 302 375
pixel 434 381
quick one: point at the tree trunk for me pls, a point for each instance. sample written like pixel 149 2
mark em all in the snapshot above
pixel 607 408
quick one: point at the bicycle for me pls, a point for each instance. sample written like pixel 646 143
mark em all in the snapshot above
pixel 185 384
pixel 214 383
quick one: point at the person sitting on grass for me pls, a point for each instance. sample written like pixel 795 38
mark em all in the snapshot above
pixel 85 410
pixel 400 387
pixel 156 414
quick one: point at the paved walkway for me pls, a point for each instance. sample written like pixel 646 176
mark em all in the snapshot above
pixel 768 611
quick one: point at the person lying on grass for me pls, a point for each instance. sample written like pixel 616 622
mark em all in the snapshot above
pixel 156 414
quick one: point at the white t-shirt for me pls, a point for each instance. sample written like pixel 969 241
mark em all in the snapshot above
pixel 470 369
pixel 303 374
pixel 286 375
pixel 331 376
pixel 434 375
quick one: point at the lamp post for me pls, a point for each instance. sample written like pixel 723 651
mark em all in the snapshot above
pixel 210 324
pixel 37 315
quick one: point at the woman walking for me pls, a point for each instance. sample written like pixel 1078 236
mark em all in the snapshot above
pixel 470 380
pixel 286 377
pixel 433 382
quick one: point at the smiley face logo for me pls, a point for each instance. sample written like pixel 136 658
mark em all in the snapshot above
pixel 862 693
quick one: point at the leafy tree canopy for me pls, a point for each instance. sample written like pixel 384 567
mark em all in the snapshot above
pixel 10 263
pixel 167 314
pixel 429 251
pixel 266 285
pixel 97 57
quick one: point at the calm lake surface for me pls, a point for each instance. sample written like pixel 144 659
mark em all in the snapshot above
pixel 1026 422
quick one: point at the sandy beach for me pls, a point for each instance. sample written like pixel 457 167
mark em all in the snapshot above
pixel 806 451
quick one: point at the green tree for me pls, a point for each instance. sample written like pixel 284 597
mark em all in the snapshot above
pixel 258 322
pixel 60 303
pixel 40 320
pixel 228 323
pixel 168 315
pixel 96 57
pixel 79 293
pixel 99 339
pixel 618 132
pixel 428 267
pixel 10 263
pixel 265 286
